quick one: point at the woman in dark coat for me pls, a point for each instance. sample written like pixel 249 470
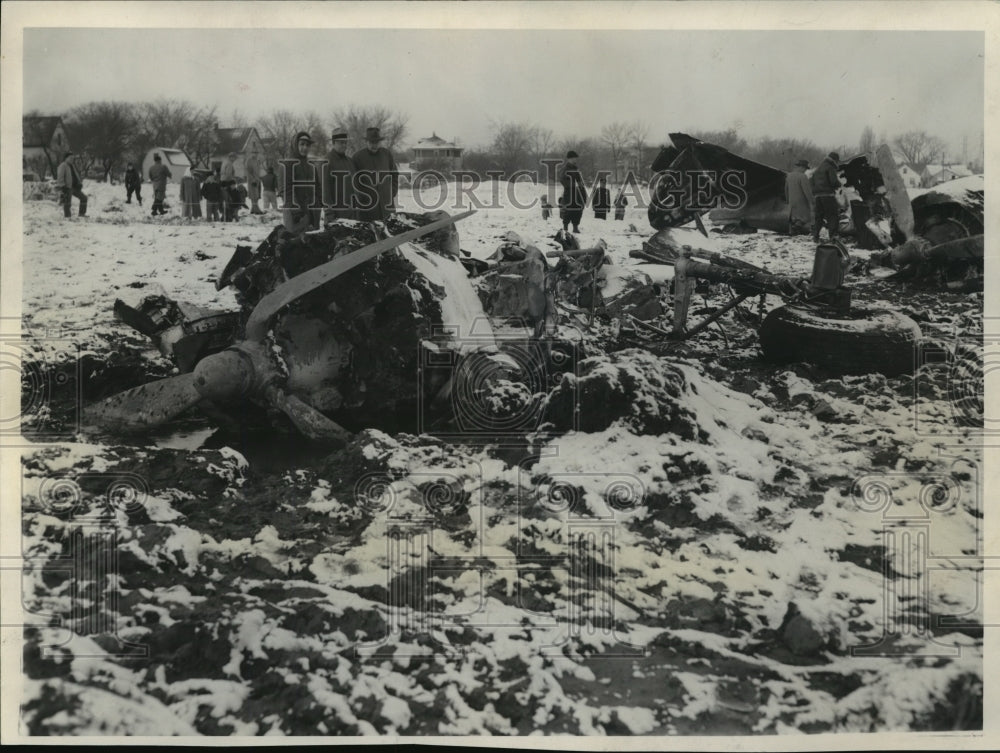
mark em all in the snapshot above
pixel 190 196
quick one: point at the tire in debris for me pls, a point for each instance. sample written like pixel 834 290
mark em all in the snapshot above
pixel 861 341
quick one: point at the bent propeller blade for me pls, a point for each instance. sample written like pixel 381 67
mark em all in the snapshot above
pixel 144 407
pixel 306 282
pixel 895 189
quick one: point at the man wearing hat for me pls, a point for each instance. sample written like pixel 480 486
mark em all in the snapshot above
pixel 824 184
pixel 574 196
pixel 303 184
pixel 377 179
pixel 338 184
pixel 159 174
pixel 68 180
pixel 799 196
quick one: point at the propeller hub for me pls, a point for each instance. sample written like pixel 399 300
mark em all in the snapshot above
pixel 224 376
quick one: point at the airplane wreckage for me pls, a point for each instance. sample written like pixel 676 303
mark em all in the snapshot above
pixel 934 233
pixel 370 325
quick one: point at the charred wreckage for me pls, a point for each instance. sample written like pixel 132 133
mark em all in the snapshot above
pixel 384 325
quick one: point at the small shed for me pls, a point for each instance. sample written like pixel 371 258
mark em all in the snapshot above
pixel 174 159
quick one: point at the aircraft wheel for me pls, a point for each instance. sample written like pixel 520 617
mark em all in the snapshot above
pixel 860 341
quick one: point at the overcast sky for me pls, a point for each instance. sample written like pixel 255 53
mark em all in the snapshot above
pixel 821 85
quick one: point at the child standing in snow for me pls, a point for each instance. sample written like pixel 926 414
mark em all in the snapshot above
pixel 546 208
pixel 620 203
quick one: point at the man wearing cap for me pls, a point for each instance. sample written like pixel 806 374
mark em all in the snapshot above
pixel 376 182
pixel 799 196
pixel 303 187
pixel 824 184
pixel 574 196
pixel 338 185
pixel 159 174
pixel 68 180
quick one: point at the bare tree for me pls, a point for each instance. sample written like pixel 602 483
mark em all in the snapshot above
pixel 165 121
pixel 638 132
pixel 616 137
pixel 201 141
pixel 103 133
pixel 277 129
pixel 867 144
pixel 313 123
pixel 543 141
pixel 355 120
pixel 918 148
pixel 512 146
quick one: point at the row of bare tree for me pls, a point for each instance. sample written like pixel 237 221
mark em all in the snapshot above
pixel 107 135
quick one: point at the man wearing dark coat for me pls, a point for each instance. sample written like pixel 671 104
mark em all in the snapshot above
pixel 133 184
pixel 574 196
pixel 159 174
pixel 303 187
pixel 799 196
pixel 190 196
pixel 338 188
pixel 602 200
pixel 376 182
pixel 824 184
pixel 70 185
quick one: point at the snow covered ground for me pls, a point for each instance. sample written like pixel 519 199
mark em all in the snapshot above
pixel 788 521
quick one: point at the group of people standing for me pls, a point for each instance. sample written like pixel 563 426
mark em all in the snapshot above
pixel 574 198
pixel 362 186
pixel 812 200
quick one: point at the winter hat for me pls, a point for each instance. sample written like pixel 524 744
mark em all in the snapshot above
pixel 338 135
pixel 303 135
pixel 834 156
pixel 571 154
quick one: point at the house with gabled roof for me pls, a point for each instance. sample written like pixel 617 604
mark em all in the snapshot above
pixel 911 178
pixel 241 141
pixel 44 141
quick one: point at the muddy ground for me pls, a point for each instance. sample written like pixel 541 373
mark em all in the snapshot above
pixel 706 546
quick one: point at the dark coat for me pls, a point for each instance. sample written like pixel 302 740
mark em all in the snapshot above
pixel 824 181
pixel 574 192
pixel 339 185
pixel 132 178
pixel 211 190
pixel 304 196
pixel 376 184
pixel 602 200
pixel 301 195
